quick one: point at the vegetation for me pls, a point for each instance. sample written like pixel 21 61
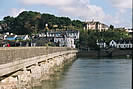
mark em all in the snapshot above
pixel 29 22
pixel 88 38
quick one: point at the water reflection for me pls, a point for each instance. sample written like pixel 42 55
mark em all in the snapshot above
pixel 92 74
pixel 52 83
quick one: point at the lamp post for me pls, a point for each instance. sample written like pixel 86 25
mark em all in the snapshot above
pixel 46 29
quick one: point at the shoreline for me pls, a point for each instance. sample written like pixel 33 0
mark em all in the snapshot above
pixel 117 53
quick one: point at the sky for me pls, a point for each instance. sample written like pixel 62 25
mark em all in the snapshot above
pixel 110 12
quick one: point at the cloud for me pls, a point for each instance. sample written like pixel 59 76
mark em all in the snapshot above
pixel 15 12
pixel 83 10
pixel 124 13
pixel 76 8
pixel 122 3
pixel 85 13
pixel 113 19
pixel 120 19
pixel 48 2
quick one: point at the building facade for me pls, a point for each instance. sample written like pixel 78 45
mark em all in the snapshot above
pixel 95 25
pixel 71 33
pixel 65 42
pixel 62 38
pixel 121 44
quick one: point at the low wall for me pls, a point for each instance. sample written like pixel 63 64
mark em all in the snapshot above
pixel 10 54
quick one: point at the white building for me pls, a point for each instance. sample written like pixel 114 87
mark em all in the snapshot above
pixel 121 44
pixel 70 42
pixel 112 43
pixel 71 33
pixel 95 25
pixel 129 30
pixel 22 37
pixel 65 41
pixel 63 38
pixel 12 36
pixel 60 41
pixel 116 44
pixel 101 44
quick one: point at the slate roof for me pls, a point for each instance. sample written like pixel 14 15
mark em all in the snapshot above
pixel 124 41
pixel 20 36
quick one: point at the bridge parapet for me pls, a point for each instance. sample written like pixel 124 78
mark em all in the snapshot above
pixel 14 59
pixel 10 54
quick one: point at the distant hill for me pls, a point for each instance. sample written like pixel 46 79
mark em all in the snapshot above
pixel 29 22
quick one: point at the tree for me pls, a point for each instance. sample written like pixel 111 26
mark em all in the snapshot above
pixel 27 22
pixel 83 39
pixel 111 27
pixel 77 23
pixel 8 23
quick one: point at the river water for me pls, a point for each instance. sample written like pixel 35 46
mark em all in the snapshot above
pixel 87 73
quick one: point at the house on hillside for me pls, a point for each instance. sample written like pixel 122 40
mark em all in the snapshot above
pixel 96 25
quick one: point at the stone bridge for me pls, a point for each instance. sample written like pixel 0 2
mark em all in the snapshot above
pixel 13 59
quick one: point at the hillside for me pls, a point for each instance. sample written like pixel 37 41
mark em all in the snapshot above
pixel 29 22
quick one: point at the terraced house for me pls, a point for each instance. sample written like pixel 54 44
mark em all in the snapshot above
pixel 121 44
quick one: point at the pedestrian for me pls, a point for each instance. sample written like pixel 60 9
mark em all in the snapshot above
pixel 8 45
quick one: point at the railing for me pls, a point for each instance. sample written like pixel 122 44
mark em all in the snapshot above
pixel 10 54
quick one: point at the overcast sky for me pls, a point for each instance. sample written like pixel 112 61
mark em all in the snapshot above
pixel 115 12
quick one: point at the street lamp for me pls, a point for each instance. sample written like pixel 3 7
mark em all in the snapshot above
pixel 46 25
pixel 46 29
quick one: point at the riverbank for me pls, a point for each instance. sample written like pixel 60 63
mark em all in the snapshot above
pixel 116 53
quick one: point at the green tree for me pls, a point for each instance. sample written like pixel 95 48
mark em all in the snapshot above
pixel 111 27
pixel 77 23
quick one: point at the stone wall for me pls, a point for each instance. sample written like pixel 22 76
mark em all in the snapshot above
pixel 10 54
pixel 14 59
pixel 44 67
